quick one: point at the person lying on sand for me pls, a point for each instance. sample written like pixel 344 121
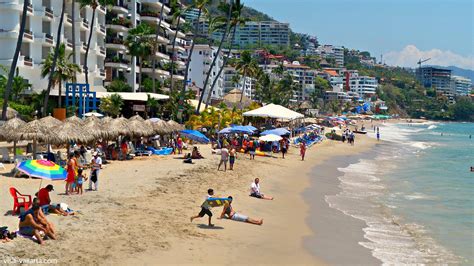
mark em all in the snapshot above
pixel 196 154
pixel 45 201
pixel 30 226
pixel 229 212
pixel 255 190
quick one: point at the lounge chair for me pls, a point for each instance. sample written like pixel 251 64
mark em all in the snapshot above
pixel 19 201
pixel 6 156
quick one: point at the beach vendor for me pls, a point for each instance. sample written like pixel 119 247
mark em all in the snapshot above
pixel 255 190
pixel 229 212
pixel 205 208
pixel 96 166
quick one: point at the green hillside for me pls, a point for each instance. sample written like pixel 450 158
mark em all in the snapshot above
pixel 248 12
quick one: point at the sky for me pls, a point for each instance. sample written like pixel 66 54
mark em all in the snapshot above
pixel 402 30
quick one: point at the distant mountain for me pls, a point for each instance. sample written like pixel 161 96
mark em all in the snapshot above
pixel 247 12
pixel 467 73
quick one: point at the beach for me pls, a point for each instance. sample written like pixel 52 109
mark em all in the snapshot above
pixel 141 213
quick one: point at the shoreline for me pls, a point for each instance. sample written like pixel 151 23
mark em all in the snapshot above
pixel 342 248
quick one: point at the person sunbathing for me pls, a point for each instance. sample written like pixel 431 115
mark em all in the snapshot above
pixel 229 212
pixel 29 225
pixel 196 154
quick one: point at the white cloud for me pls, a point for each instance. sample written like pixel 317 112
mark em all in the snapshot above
pixel 409 56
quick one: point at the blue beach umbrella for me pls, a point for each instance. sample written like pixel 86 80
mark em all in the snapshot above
pixel 276 131
pixel 226 130
pixel 194 135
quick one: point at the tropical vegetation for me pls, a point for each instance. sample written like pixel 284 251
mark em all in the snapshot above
pixel 111 105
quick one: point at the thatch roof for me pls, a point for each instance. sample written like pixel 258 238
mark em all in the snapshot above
pixel 34 130
pixel 10 127
pixel 161 127
pixel 139 128
pixel 118 126
pixel 137 117
pixel 50 122
pixel 75 119
pixel 11 113
pixel 232 98
pixel 175 126
pixel 95 127
pixel 70 131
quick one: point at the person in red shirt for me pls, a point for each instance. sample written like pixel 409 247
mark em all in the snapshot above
pixel 45 201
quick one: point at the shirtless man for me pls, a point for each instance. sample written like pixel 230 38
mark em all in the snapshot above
pixel 30 226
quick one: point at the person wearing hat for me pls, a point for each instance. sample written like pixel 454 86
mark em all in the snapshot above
pixel 45 201
pixel 96 166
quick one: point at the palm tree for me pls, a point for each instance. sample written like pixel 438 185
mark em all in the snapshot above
pixel 65 70
pixel 111 105
pixel 54 61
pixel 6 93
pixel 247 67
pixel 140 45
pixel 19 85
pixel 155 47
pixel 237 21
pixel 201 5
pixel 229 7
pixel 92 4
pixel 176 11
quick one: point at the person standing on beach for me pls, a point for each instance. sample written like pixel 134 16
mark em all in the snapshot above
pixel 224 158
pixel 284 147
pixel 205 208
pixel 180 145
pixel 232 156
pixel 302 150
pixel 71 173
pixel 96 166
pixel 378 134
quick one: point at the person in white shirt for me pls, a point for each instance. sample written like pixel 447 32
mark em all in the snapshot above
pixel 224 158
pixel 96 166
pixel 255 191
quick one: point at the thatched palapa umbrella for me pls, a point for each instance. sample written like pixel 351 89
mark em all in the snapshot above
pixel 119 126
pixel 75 119
pixel 175 126
pixel 161 127
pixel 35 130
pixel 69 131
pixel 50 122
pixel 95 127
pixel 11 113
pixel 10 128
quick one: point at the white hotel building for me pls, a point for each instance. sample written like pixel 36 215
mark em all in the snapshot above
pixel 108 56
pixel 201 61
pixel 40 37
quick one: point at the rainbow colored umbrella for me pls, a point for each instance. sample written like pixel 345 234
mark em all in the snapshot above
pixel 43 169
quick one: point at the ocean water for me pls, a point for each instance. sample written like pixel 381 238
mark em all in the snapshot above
pixel 416 194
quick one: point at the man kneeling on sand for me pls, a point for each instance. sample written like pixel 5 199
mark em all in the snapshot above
pixel 45 201
pixel 229 212
pixel 255 191
pixel 30 225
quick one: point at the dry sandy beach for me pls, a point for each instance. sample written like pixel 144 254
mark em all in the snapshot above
pixel 141 213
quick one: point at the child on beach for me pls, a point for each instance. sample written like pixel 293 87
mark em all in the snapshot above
pixel 80 180
pixel 205 208
pixel 302 150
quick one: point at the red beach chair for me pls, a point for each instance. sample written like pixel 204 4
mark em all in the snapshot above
pixel 19 200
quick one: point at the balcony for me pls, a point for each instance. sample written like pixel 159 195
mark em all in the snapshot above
pixel 177 48
pixel 46 39
pixel 115 43
pixel 117 62
pixel 100 50
pixel 157 5
pixel 101 29
pixel 83 47
pixel 69 44
pixel 119 24
pixel 120 9
pixel 102 72
pixel 102 9
pixel 28 36
pixel 161 55
pixel 30 9
pixel 68 20
pixel 27 61
pixel 85 24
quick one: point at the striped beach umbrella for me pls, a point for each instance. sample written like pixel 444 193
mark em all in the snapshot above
pixel 43 169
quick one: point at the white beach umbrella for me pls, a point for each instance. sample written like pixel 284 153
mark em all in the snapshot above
pixel 93 114
pixel 270 137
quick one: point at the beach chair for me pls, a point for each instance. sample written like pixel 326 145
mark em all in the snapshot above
pixel 3 166
pixel 6 156
pixel 19 200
